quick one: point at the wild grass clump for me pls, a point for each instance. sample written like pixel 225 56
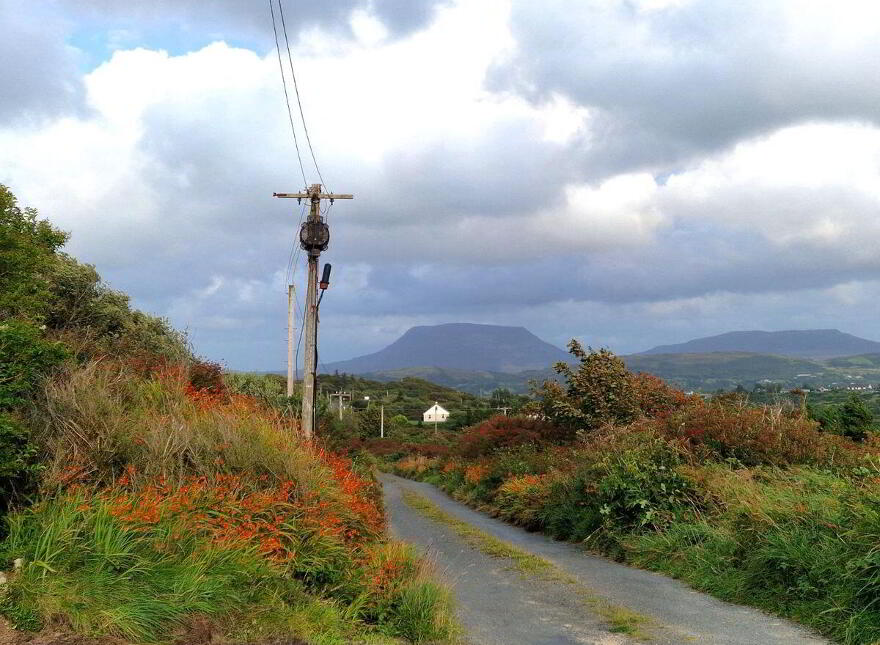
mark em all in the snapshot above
pixel 800 542
pixel 85 564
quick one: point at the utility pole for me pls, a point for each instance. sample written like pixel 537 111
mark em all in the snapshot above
pixel 314 237
pixel 291 292
pixel 340 396
pixel 382 422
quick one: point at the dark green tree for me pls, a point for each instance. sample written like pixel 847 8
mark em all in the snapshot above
pixel 828 417
pixel 599 391
pixel 369 422
pixel 856 418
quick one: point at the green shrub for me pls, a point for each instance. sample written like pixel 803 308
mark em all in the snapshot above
pixel 856 419
pixel 570 512
pixel 18 464
pixel 642 486
pixel 25 358
pixel 96 320
pixel 27 252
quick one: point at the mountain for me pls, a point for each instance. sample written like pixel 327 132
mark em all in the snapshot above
pixel 459 346
pixel 804 343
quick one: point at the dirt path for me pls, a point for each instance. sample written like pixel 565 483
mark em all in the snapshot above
pixel 575 598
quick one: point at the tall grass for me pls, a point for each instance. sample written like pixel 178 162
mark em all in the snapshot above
pixel 85 565
pixel 803 543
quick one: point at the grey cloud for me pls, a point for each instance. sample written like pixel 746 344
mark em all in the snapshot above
pixel 674 82
pixel 250 18
pixel 38 71
pixel 221 222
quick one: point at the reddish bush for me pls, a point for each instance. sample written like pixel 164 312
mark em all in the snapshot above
pixel 207 376
pixel 654 397
pixel 505 432
pixel 754 435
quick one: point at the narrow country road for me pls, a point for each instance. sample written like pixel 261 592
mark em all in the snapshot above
pixel 498 604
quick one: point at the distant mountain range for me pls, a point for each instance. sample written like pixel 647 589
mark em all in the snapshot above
pixel 479 358
pixel 460 346
pixel 806 343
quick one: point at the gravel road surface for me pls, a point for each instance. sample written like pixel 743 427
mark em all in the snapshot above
pixel 500 605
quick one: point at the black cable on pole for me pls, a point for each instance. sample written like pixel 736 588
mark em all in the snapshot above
pixel 287 98
pixel 298 101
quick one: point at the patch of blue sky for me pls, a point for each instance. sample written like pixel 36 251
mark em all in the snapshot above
pixel 97 43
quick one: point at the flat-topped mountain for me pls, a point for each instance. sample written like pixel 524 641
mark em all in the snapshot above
pixel 805 343
pixel 462 346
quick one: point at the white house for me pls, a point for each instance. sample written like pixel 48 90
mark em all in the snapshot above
pixel 435 414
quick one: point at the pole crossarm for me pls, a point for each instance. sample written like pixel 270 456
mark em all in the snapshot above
pixel 330 196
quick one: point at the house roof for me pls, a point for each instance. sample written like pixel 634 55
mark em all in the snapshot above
pixel 436 408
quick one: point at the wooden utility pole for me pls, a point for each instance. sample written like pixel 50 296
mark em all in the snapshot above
pixel 314 236
pixel 291 291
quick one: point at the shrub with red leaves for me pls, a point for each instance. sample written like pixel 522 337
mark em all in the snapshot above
pixel 654 397
pixel 505 432
pixel 754 435
pixel 207 376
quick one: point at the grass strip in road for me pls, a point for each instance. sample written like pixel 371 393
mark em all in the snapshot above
pixel 523 561
pixel 620 619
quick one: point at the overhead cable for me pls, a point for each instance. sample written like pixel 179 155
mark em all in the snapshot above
pixel 298 101
pixel 287 98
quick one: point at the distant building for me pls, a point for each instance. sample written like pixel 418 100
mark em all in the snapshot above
pixel 435 414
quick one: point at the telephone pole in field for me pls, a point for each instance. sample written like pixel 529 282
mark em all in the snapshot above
pixel 314 237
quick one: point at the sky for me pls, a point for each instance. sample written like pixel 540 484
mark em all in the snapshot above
pixel 626 172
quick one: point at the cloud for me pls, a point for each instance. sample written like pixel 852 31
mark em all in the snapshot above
pixel 38 74
pixel 235 19
pixel 672 79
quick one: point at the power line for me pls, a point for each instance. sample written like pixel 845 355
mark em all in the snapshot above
pixel 293 257
pixel 286 97
pixel 298 101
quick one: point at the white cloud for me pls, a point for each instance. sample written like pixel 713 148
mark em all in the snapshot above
pixel 812 186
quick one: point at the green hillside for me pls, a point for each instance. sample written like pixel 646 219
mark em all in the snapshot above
pixel 724 370
pixel 860 361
